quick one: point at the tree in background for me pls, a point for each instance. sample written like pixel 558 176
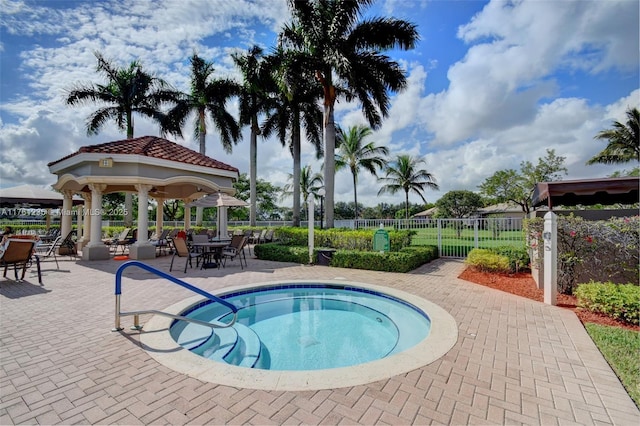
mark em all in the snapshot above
pixel 254 100
pixel 295 105
pixel 127 90
pixel 622 141
pixel 310 184
pixel 517 187
pixel 208 95
pixel 346 53
pixel 459 204
pixel 266 196
pixel 404 175
pixel 355 154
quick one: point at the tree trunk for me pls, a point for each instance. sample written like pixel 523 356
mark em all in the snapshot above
pixel 355 195
pixel 329 163
pixel 296 169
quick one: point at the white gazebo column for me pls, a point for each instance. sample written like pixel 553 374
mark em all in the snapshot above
pixel 66 213
pixel 159 216
pixel 96 249
pixel 84 230
pixel 187 218
pixel 142 249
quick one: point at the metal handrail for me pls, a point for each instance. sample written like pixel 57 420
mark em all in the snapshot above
pixel 118 292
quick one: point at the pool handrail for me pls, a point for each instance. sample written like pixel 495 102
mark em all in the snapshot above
pixel 118 292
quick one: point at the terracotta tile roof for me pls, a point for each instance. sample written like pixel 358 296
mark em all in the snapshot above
pixel 155 147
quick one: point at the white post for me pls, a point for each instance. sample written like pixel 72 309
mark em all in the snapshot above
pixel 550 238
pixel 311 220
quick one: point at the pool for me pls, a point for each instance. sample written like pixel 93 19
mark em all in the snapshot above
pixel 385 316
pixel 303 327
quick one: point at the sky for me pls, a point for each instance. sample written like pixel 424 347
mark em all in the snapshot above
pixel 490 84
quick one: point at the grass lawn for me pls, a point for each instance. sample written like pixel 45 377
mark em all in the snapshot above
pixel 621 349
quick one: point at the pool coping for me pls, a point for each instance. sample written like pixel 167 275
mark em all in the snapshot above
pixel 156 340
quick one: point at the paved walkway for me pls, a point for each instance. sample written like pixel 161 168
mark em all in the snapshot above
pixel 516 361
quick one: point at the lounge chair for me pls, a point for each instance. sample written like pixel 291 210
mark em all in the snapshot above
pixel 68 245
pixel 182 250
pixel 121 240
pixel 45 251
pixel 235 249
pixel 18 253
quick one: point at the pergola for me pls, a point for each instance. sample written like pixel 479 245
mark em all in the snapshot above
pixel 586 192
pixel 149 166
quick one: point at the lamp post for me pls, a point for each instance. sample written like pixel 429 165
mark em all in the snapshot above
pixel 321 193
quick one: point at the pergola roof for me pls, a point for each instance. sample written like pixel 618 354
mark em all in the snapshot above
pixel 33 196
pixel 586 192
pixel 173 171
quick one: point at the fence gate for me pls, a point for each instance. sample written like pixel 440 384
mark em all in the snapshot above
pixel 457 237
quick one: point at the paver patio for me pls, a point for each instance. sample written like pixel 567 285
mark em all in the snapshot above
pixel 516 361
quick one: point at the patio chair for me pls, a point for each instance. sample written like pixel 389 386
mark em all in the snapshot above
pixel 68 245
pixel 45 251
pixel 268 236
pixel 182 250
pixel 121 240
pixel 235 249
pixel 18 253
pixel 161 243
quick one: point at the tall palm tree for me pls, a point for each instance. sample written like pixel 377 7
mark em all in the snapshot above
pixel 310 184
pixel 127 90
pixel 623 141
pixel 295 106
pixel 254 100
pixel 403 175
pixel 207 95
pixel 347 54
pixel 354 153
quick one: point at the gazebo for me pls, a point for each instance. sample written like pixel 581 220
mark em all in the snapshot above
pixel 149 166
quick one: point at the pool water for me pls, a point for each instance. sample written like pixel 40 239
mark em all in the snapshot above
pixel 303 327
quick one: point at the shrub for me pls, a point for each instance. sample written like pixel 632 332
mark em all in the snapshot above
pixel 619 301
pixel 346 239
pixel 518 256
pixel 404 260
pixel 603 250
pixel 486 260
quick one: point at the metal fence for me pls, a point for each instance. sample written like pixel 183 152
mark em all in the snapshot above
pixel 453 237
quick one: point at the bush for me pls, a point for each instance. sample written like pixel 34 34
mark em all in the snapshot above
pixel 486 260
pixel 404 260
pixel 518 256
pixel 343 238
pixel 619 301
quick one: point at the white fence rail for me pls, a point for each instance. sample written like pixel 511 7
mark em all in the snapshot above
pixel 453 237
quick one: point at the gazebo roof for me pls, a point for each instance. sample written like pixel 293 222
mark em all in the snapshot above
pixel 172 171
pixel 151 146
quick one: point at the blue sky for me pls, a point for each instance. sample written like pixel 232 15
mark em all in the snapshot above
pixel 491 84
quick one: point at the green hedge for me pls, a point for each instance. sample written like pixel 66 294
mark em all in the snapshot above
pixel 619 301
pixel 345 239
pixel 405 260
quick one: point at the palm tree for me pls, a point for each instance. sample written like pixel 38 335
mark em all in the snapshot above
pixel 295 105
pixel 354 153
pixel 210 95
pixel 254 100
pixel 127 90
pixel 403 174
pixel 340 46
pixel 310 184
pixel 623 141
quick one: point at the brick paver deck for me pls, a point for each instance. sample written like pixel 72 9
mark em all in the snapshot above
pixel 516 361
